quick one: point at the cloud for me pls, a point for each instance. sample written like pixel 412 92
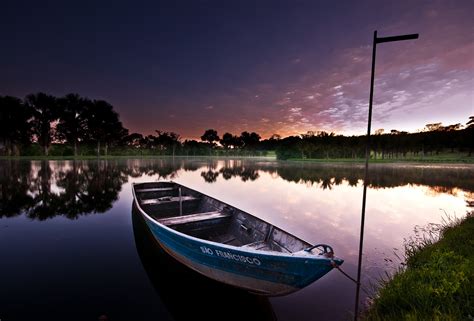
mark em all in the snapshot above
pixel 416 82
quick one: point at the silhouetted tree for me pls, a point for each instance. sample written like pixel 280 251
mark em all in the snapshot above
pixel 237 141
pixel 134 140
pixel 148 142
pixel 194 147
pixel 72 124
pixel 115 134
pixel 227 140
pixel 469 137
pixel 470 123
pixel 250 140
pixel 45 112
pixel 168 141
pixel 15 124
pixel 210 136
pixel 433 127
pixel 103 124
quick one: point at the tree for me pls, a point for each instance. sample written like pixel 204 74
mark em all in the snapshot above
pixel 72 121
pixel 210 136
pixel 237 141
pixel 168 141
pixel 452 127
pixel 227 140
pixel 469 137
pixel 250 139
pixel 115 134
pixel 133 140
pixel 195 147
pixel 15 124
pixel 433 127
pixel 470 123
pixel 45 112
pixel 103 124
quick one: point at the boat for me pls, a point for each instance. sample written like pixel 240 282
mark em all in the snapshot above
pixel 227 244
pixel 174 284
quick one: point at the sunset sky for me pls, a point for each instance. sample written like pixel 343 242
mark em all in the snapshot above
pixel 281 67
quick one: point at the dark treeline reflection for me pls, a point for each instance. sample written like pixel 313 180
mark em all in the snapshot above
pixel 440 179
pixel 45 189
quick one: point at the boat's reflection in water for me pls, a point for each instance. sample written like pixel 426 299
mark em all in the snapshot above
pixel 188 295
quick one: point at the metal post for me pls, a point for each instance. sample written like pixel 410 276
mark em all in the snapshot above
pixel 366 177
pixel 367 156
pixel 180 202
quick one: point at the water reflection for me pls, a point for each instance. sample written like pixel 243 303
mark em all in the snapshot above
pixel 46 189
pixel 316 202
pixel 188 295
pixel 14 187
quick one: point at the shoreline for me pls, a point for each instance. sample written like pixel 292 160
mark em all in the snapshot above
pixel 111 157
pixel 342 161
pixel 437 280
pixel 427 160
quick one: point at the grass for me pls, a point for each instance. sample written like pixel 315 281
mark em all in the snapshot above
pixel 91 157
pixel 441 158
pixel 438 280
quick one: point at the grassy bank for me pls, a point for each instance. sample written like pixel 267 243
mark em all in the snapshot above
pixel 438 281
pixel 435 159
pixel 442 158
pixel 89 157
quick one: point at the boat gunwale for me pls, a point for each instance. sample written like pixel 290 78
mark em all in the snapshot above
pixel 304 255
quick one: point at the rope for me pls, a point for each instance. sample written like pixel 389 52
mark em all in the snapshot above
pixel 334 265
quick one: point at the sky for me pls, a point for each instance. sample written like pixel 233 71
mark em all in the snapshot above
pixel 274 67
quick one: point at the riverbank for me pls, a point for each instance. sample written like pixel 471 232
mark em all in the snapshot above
pixel 438 281
pixel 444 158
pixel 112 157
pixel 461 159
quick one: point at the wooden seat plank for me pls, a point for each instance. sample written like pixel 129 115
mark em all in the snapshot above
pixel 166 199
pixel 158 189
pixel 176 220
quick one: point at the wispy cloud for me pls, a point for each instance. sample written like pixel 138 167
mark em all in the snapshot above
pixel 417 82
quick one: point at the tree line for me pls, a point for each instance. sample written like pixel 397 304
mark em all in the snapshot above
pixel 434 139
pixel 44 119
pixel 75 125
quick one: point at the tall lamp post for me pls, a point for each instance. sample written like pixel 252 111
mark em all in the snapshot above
pixel 367 154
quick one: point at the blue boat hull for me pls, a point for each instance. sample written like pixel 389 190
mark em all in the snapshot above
pixel 257 271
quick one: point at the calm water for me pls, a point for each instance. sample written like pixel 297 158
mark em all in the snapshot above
pixel 71 248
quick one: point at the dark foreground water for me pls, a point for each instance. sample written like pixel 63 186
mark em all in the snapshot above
pixel 71 248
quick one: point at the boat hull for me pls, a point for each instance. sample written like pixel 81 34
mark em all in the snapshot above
pixel 257 271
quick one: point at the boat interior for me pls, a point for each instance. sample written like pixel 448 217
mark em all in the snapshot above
pixel 195 214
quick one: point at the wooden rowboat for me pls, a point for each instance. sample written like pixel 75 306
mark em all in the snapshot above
pixel 227 244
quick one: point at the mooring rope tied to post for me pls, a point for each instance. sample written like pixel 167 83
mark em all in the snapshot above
pixel 334 265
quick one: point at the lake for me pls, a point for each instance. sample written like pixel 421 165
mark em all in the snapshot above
pixel 71 248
